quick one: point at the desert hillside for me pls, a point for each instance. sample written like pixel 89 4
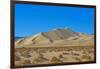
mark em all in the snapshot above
pixel 54 47
pixel 56 37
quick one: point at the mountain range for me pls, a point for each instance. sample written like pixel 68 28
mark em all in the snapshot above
pixel 56 37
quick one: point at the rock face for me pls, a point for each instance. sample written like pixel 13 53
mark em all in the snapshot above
pixel 56 37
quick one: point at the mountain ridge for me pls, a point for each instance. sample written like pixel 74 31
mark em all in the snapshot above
pixel 51 37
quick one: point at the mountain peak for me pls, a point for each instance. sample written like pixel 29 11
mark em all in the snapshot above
pixel 66 28
pixel 58 34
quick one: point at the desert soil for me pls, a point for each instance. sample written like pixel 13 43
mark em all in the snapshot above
pixel 53 55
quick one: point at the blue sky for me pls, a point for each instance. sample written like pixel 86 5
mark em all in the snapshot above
pixel 32 19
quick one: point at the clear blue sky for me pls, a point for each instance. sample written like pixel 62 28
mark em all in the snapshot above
pixel 32 19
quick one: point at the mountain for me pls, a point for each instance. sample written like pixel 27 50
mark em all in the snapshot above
pixel 54 38
pixel 17 38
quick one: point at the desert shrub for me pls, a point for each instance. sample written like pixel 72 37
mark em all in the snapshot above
pixel 27 62
pixel 61 56
pixel 84 52
pixel 90 51
pixel 60 50
pixel 37 60
pixel 55 60
pixel 50 50
pixel 26 54
pixel 85 56
pixel 69 49
pixel 32 62
pixel 66 53
pixel 40 59
pixel 77 58
pixel 42 51
pixel 75 54
pixel 17 58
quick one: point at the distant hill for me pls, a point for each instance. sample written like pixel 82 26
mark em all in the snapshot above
pixel 55 37
pixel 17 38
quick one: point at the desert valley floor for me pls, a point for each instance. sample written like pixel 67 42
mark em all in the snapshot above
pixel 52 55
pixel 54 47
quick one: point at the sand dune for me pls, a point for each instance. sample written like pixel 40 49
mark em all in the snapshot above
pixel 57 37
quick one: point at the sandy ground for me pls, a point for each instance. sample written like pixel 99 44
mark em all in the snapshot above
pixel 53 55
pixel 53 47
